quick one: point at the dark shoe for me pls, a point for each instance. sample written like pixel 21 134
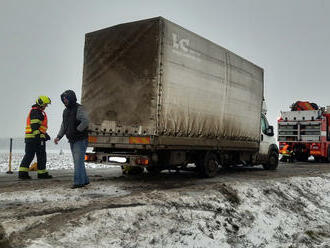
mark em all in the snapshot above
pixel 23 175
pixel 77 186
pixel 44 176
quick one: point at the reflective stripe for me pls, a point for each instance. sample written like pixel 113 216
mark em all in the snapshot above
pixel 42 136
pixel 32 135
pixel 23 169
pixel 42 171
pixel 34 121
pixel 36 132
pixel 29 136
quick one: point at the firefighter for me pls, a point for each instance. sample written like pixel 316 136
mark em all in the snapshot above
pixel 287 154
pixel 35 140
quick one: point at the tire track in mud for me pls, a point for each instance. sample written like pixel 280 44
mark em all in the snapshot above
pixel 59 219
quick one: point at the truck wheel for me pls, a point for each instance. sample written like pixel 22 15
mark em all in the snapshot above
pixel 272 162
pixel 306 156
pixel 328 157
pixel 154 170
pixel 209 165
pixel 302 156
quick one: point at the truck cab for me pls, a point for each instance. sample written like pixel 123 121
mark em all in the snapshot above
pixel 268 150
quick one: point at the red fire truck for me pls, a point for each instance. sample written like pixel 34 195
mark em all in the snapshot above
pixel 306 130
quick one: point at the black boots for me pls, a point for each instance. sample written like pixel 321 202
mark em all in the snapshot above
pixel 23 175
pixel 44 176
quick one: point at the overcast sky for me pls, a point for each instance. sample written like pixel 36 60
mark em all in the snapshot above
pixel 41 46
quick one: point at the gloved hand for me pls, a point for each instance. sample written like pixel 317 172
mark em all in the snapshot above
pixel 47 136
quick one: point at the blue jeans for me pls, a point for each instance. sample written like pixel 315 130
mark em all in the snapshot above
pixel 78 150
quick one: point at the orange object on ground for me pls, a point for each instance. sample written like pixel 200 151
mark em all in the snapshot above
pixel 33 167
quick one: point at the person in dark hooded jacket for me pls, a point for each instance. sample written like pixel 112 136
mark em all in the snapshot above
pixel 74 126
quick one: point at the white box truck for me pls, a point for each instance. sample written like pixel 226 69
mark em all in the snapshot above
pixel 160 96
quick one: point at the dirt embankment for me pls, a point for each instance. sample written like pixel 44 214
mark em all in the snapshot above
pixel 172 209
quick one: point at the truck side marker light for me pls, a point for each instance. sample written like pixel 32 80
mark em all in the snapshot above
pixel 139 140
pixel 92 139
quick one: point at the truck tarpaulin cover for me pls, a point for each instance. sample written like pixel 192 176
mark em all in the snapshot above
pixel 157 78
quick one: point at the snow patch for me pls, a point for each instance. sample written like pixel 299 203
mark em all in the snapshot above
pixel 287 213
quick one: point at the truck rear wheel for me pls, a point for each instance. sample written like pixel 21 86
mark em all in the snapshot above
pixel 328 157
pixel 272 162
pixel 209 165
pixel 317 159
pixel 154 170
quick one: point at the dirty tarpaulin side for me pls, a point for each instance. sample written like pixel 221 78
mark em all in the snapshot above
pixel 208 91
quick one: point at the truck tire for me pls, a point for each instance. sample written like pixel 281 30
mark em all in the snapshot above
pixel 272 162
pixel 302 157
pixel 328 155
pixel 161 161
pixel 209 165
pixel 154 170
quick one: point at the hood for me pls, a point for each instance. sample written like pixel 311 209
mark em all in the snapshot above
pixel 70 96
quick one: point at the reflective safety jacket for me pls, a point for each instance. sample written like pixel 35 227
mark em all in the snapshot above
pixel 36 124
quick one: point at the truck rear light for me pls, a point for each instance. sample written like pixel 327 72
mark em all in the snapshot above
pixel 142 161
pixel 90 157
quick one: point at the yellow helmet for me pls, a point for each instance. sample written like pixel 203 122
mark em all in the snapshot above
pixel 43 101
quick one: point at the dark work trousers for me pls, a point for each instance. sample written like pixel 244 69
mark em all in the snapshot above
pixel 35 148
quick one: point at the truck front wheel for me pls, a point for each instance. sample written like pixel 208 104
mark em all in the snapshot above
pixel 272 162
